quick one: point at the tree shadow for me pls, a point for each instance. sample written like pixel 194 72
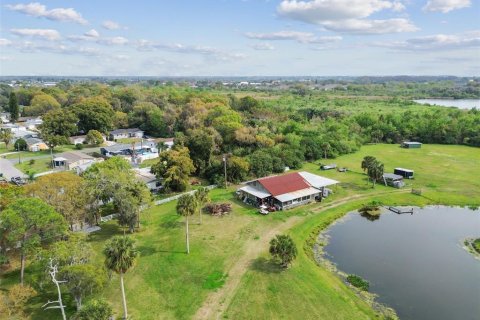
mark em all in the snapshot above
pixel 266 266
pixel 171 224
pixel 148 251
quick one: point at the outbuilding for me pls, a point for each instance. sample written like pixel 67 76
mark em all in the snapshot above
pixel 393 180
pixel 411 145
pixel 406 173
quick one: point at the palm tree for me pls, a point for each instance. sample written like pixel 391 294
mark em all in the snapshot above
pixel 283 248
pixel 187 206
pixel 202 198
pixel 367 162
pixel 375 171
pixel 6 136
pixel 120 255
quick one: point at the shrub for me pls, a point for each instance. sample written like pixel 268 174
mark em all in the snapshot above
pixel 31 162
pixel 358 282
pixel 79 146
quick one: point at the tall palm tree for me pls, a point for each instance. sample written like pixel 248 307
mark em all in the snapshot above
pixel 375 171
pixel 187 206
pixel 202 198
pixel 120 255
pixel 366 163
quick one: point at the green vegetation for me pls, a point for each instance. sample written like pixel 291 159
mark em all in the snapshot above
pixel 358 282
pixel 476 245
pixel 284 249
pixel 180 284
pixel 228 271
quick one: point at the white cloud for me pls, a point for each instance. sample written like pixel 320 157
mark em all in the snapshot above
pixel 46 34
pixel 317 11
pixel 111 25
pixel 92 34
pixel 5 42
pixel 206 51
pixel 445 6
pixel 365 26
pixel 437 42
pixel 347 16
pixel 263 46
pixel 113 41
pixel 302 37
pixel 36 9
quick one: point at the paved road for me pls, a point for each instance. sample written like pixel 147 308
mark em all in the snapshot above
pixel 9 171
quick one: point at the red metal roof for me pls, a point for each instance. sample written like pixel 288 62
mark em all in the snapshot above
pixel 284 184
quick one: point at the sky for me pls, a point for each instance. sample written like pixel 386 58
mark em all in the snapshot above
pixel 240 37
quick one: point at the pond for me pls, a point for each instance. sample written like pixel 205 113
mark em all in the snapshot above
pixel 416 262
pixel 458 103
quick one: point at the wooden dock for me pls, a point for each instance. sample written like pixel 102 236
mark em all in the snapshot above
pixel 400 211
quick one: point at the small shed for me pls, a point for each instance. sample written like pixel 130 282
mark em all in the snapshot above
pixel 393 180
pixel 411 145
pixel 406 173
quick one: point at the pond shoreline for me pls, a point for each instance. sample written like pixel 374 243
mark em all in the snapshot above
pixel 320 258
pixel 324 258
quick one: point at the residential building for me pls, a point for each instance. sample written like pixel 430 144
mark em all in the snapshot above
pixel 35 144
pixel 74 160
pixel 285 191
pixel 125 133
pixel 77 139
pixel 135 152
pixel 144 175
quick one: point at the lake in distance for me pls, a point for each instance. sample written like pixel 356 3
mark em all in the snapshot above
pixel 415 263
pixel 458 103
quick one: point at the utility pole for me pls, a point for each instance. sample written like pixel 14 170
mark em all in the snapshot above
pixel 225 168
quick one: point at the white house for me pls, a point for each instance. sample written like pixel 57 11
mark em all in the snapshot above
pixel 74 160
pixel 144 175
pixel 125 133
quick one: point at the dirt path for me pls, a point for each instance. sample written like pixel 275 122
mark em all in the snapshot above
pixel 218 301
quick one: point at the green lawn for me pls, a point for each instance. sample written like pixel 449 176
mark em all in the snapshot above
pixel 25 154
pixel 38 165
pixel 168 284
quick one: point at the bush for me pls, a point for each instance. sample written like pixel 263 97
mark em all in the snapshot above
pixel 94 310
pixel 31 162
pixel 79 146
pixel 358 282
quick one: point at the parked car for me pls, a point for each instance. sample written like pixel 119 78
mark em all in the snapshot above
pixel 17 181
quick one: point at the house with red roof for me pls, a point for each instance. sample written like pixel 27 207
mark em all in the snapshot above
pixel 285 191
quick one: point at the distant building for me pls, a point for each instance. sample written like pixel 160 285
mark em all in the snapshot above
pixel 125 133
pixel 135 152
pixel 31 123
pixel 411 145
pixel 144 175
pixel 168 142
pixel 74 160
pixel 35 144
pixel 77 139
pixel 285 191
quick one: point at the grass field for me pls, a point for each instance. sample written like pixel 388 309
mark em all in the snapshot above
pixel 168 284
